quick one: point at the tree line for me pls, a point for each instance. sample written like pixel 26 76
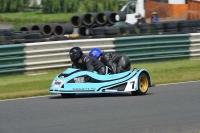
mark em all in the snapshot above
pixel 62 6
pixel 13 5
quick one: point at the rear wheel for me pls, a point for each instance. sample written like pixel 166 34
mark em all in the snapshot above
pixel 68 95
pixel 143 85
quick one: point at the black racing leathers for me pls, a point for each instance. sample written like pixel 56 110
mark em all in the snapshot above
pixel 116 62
pixel 90 64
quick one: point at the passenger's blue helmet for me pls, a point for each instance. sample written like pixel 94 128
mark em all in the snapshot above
pixel 95 53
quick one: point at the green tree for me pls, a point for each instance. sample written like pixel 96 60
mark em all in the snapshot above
pixel 13 5
pixel 81 6
pixel 56 6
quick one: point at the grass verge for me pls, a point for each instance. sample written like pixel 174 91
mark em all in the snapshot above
pixel 163 72
pixel 36 17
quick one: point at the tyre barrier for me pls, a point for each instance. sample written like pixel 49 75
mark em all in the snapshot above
pixel 18 35
pixel 61 29
pixel 37 27
pixel 111 17
pixel 120 16
pixel 157 26
pixel 6 32
pixel 33 36
pixel 98 31
pixel 101 18
pixel 143 27
pixel 84 31
pixel 123 29
pixel 45 31
pixel 25 28
pixel 89 19
pixel 92 27
pixel 187 23
pixel 131 28
pixel 7 38
pixel 106 17
pixel 48 29
pixel 76 21
pixel 112 30
pixel 171 25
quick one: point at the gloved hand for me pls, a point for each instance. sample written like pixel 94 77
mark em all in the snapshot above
pixel 120 69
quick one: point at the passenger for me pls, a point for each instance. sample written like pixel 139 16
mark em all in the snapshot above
pixel 116 62
pixel 155 18
pixel 141 20
pixel 84 62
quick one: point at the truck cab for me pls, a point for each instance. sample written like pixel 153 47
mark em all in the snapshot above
pixel 132 9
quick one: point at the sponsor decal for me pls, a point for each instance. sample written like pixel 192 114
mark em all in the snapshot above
pixel 87 89
pixel 58 83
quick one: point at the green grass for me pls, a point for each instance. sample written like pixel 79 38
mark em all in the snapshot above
pixel 164 72
pixel 36 17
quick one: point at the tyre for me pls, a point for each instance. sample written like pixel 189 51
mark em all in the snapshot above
pixel 92 27
pixel 7 38
pixel 48 29
pixel 143 27
pixel 45 36
pixel 171 25
pixel 33 36
pixel 6 32
pixel 98 31
pixel 186 30
pixel 121 16
pixel 84 31
pixel 25 28
pixel 112 30
pixel 101 18
pixel 89 18
pixel 67 95
pixel 37 28
pixel 61 29
pixel 18 35
pixel 195 29
pixel 131 28
pixel 158 26
pixel 123 29
pixel 187 23
pixel 197 22
pixel 143 84
pixel 76 21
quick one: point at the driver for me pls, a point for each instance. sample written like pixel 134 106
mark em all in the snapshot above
pixel 116 62
pixel 84 62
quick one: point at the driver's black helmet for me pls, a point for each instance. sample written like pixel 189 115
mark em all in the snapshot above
pixel 75 53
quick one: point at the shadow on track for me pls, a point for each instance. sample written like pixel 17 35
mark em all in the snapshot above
pixel 98 95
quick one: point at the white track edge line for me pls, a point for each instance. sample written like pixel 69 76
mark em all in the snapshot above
pixel 178 83
pixel 28 97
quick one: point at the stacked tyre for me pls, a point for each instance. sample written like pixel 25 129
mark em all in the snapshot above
pixel 158 27
pixel 5 36
pixel 171 26
pixel 47 30
pixel 143 28
pixel 189 26
pixel 97 24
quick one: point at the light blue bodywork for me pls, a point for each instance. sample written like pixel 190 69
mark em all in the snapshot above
pixel 72 82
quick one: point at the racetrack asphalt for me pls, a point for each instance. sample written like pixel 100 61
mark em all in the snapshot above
pixel 173 108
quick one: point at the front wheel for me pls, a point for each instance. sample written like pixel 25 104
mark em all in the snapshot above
pixel 143 85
